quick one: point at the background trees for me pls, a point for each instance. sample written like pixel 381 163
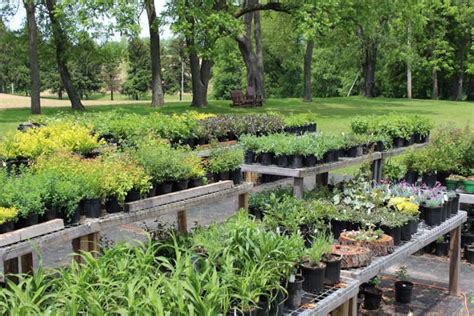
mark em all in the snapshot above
pixel 407 48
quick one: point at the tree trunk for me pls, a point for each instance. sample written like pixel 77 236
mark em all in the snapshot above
pixel 259 53
pixel 308 62
pixel 156 86
pixel 370 60
pixel 33 56
pixel 60 94
pixel 409 81
pixel 434 77
pixel 470 89
pixel 111 94
pixel 60 42
pixel 200 76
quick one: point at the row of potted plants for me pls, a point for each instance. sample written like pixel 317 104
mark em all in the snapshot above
pixel 308 150
pixel 402 129
pixel 65 185
pixel 238 267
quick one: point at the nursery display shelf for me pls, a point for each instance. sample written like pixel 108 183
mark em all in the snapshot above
pixel 327 300
pixel 222 190
pixel 326 167
pixel 423 237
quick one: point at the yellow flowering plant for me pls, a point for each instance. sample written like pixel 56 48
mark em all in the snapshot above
pixel 7 214
pixel 404 205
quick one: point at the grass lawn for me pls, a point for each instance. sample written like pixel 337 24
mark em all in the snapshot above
pixel 331 114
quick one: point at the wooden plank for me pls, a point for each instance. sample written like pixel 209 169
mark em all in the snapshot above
pixel 465 198
pixel 177 196
pixel 425 236
pixel 454 260
pixel 298 187
pixel 399 151
pixel 182 222
pixel 322 179
pixel 353 306
pixel 31 232
pixel 11 267
pixel 342 310
pixel 26 262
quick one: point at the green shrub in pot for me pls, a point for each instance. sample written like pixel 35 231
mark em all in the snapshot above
pixel 222 159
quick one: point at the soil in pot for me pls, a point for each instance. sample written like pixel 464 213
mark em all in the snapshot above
pixel 310 161
pixel 429 179
pixel 295 292
pixel 249 157
pixel 265 159
pixel 92 208
pixel 112 205
pixel 7 227
pixel 282 161
pixel 403 290
pixel 180 185
pixel 442 248
pixel 372 298
pixel 164 188
pixel 332 274
pixel 469 253
pixel 394 232
pixel 23 222
pixel 313 277
pixel 432 215
pixel 405 233
pixel 132 195
pixel 296 161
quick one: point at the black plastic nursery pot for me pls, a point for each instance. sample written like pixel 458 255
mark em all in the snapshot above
pixel 236 312
pixel 372 297
pixel 406 232
pixel 196 182
pixel 7 227
pixel 313 278
pixel 92 208
pixel 180 185
pixel 455 205
pixel 332 274
pixel 403 290
pixel 23 222
pixel 310 161
pixel 379 146
pixel 442 248
pixel 441 177
pixel 236 176
pixel 249 157
pixel 132 195
pixel 263 308
pixel 329 156
pixel 277 305
pixel 282 161
pixel 398 142
pixel 394 232
pixel 74 218
pixel 429 179
pixel 112 205
pixel 354 151
pixel 311 127
pixel 49 214
pixel 413 226
pixel 296 161
pixel 265 159
pixel 224 175
pixel 467 239
pixel 432 215
pixel 417 138
pixel 469 253
pixel 411 177
pixel 164 188
pixel 295 292
pixel 337 227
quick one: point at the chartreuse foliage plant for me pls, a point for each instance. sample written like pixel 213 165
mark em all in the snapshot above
pixel 8 214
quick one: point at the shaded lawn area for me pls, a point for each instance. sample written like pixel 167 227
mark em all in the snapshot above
pixel 331 114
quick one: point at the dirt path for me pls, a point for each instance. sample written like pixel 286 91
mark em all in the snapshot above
pixel 8 101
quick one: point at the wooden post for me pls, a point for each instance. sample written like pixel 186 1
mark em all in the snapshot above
pixel 454 260
pixel 342 310
pixel 87 243
pixel 353 306
pixel 243 201
pixel 182 222
pixel 298 187
pixel 26 262
pixel 10 269
pixel 322 179
pixel 250 177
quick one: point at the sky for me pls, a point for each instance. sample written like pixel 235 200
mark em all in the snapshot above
pixel 18 19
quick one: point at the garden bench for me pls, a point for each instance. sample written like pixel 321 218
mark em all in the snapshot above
pixel 251 99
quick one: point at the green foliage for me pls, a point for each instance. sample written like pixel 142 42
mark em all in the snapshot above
pixel 223 159
pixel 322 245
pixel 139 70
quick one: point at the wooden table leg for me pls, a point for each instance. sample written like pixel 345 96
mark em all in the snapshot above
pixel 87 243
pixel 26 262
pixel 342 310
pixel 11 268
pixel 454 260
pixel 353 306
pixel 298 187
pixel 182 222
pixel 243 201
pixel 322 179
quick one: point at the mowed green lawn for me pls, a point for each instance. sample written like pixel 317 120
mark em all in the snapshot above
pixel 331 114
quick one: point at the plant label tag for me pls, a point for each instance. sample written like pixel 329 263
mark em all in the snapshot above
pixel 445 197
pixel 292 278
pixel 278 230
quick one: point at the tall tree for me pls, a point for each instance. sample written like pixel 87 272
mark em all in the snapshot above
pixel 139 75
pixel 61 42
pixel 30 8
pixel 112 54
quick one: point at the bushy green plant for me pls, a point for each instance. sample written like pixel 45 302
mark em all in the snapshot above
pixel 223 159
pixel 322 245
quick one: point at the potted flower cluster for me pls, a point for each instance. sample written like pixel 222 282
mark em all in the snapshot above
pixel 410 209
pixel 224 164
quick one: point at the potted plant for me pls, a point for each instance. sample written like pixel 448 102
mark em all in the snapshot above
pixel 379 243
pixel 332 275
pixel 295 291
pixel 403 287
pixel 453 182
pixel 442 247
pixel 432 208
pixel 469 185
pixel 312 267
pixel 469 253
pixel 392 223
pixel 224 162
pixel 411 211
pixel 453 199
pixel 372 294
pixel 8 216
